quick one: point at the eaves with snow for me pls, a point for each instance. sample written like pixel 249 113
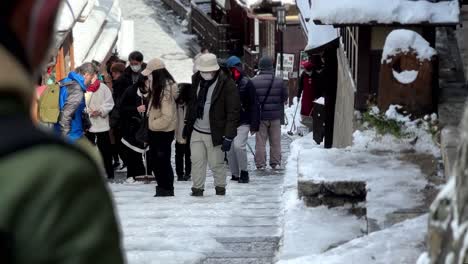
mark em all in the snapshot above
pixel 317 35
pixel 385 12
pixel 97 34
pixel 251 4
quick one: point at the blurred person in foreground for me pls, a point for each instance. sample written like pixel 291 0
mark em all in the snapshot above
pixel 54 205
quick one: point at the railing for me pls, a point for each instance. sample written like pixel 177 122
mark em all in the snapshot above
pixel 212 35
pixel 349 39
pixel 251 58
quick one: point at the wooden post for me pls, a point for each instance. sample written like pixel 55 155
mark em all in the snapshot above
pixel 60 65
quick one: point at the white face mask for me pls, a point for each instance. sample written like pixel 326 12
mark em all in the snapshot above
pixel 135 68
pixel 207 76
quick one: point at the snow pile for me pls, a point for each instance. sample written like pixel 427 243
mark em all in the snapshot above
pixel 382 172
pixel 406 77
pixel 404 41
pixel 250 4
pixel 398 244
pixel 69 13
pixel 88 32
pixel 317 35
pixel 416 134
pixel 321 101
pixel 159 34
pixel 292 116
pixel 385 11
pixel 126 40
pixel 311 230
pixel 108 36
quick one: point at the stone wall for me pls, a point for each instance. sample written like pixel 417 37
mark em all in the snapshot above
pixel 344 109
pixel 448 222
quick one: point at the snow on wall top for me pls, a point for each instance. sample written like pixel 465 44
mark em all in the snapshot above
pixel 86 33
pixel 403 40
pixel 317 35
pixel 385 11
pixel 70 11
pixel 254 3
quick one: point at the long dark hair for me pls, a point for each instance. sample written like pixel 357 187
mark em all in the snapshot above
pixel 161 78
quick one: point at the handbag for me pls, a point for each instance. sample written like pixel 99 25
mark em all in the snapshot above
pixel 85 119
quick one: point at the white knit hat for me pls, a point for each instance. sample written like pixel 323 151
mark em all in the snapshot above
pixel 207 63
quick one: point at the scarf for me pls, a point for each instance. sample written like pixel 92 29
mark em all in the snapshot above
pixel 203 93
pixel 94 86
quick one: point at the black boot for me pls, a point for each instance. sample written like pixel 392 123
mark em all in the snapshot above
pixel 180 178
pixel 160 192
pixel 234 178
pixel 244 178
pixel 197 192
pixel 220 191
pixel 187 177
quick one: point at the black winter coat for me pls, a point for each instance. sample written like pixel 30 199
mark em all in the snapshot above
pixel 224 111
pixel 249 114
pixel 132 76
pixel 130 119
pixel 273 107
pixel 119 86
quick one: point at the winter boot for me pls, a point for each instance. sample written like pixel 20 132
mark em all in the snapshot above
pixel 160 192
pixel 234 178
pixel 180 178
pixel 197 192
pixel 244 178
pixel 187 177
pixel 220 191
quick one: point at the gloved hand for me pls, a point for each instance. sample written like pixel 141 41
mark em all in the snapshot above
pixel 226 145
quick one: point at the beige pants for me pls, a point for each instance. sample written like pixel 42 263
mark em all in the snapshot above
pixel 204 153
pixel 271 131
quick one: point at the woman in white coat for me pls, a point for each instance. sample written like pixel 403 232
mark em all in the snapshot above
pixel 99 103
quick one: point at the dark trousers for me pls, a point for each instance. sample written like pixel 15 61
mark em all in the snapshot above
pixel 135 166
pixel 102 140
pixel 120 149
pixel 160 158
pixel 183 152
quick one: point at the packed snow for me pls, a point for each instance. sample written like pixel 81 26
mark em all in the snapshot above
pixel 385 11
pixel 88 32
pixel 320 101
pixel 69 13
pixel 321 235
pixel 382 172
pixel 404 41
pixel 398 244
pixel 317 35
pixel 159 34
pixel 108 37
pixel 293 118
pixel 406 77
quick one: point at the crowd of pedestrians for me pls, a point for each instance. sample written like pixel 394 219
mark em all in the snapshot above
pixel 135 116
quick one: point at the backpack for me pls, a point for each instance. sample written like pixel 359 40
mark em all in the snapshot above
pixel 49 108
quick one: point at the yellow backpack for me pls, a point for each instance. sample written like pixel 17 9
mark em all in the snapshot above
pixel 49 109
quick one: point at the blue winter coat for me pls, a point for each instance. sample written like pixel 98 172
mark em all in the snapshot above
pixel 274 104
pixel 72 104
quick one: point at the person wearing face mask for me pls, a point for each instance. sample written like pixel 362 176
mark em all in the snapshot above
pixel 211 122
pixel 249 121
pixel 72 102
pixel 135 67
pixel 308 90
pixel 54 205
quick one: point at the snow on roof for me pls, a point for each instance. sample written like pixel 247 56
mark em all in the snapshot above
pixel 403 40
pixel 126 39
pixel 108 37
pixel 317 35
pixel 250 4
pixel 69 12
pixel 385 11
pixel 87 10
pixel 87 33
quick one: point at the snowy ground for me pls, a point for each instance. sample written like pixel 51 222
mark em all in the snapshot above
pixel 323 235
pixel 243 226
pixel 158 33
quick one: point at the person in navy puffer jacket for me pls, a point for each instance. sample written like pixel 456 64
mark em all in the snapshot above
pixel 272 95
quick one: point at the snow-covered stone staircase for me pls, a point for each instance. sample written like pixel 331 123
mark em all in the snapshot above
pixel 243 227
